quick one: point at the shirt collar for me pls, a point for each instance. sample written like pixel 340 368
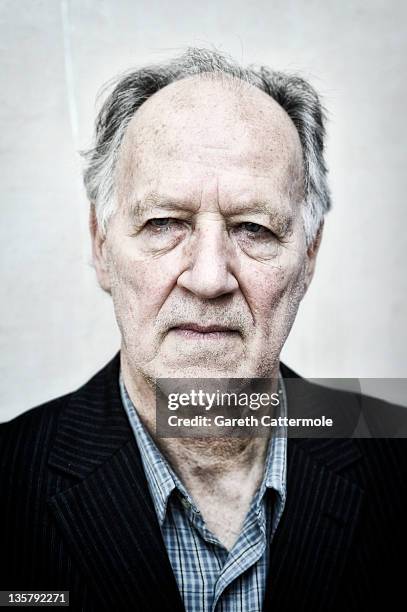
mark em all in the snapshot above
pixel 161 478
pixel 275 471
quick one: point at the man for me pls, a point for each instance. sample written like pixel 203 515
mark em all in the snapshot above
pixel 207 190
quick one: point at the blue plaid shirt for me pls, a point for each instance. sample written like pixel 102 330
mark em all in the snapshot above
pixel 211 578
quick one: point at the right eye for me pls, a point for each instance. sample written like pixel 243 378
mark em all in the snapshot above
pixel 159 221
pixel 162 225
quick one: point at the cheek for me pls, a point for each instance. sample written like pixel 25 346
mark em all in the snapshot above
pixel 272 290
pixel 139 286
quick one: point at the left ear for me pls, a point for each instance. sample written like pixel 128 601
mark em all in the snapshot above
pixel 312 252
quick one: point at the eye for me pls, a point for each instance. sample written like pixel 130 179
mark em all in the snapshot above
pixel 164 226
pixel 159 225
pixel 160 221
pixel 253 228
pixel 256 240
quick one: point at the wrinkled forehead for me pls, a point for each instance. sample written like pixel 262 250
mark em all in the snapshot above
pixel 212 122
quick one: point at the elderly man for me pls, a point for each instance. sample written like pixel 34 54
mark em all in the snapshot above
pixel 207 190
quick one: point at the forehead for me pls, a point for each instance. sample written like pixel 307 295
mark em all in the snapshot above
pixel 200 128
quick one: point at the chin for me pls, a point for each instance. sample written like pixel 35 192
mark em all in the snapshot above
pixel 199 370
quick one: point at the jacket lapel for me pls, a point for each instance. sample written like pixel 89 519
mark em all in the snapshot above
pixel 314 537
pixel 106 514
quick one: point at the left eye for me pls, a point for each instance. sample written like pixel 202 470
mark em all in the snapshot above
pixel 254 228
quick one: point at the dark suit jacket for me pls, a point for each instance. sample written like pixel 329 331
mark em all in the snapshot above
pixel 77 514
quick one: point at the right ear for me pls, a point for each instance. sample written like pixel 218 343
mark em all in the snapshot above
pixel 99 255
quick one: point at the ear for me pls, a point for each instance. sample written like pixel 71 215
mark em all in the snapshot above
pixel 99 254
pixel 312 253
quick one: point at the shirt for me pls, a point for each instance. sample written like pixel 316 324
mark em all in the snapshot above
pixel 210 578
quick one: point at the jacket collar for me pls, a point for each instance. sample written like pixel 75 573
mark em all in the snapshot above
pixel 324 502
pixel 93 425
pixel 106 513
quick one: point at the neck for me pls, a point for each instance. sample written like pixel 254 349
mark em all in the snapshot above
pixel 220 474
pixel 198 461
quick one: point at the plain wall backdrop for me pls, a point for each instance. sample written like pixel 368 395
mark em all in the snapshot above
pixel 57 326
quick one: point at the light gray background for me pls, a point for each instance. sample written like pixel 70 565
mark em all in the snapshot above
pixel 57 327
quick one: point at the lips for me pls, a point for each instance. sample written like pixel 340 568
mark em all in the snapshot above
pixel 200 333
pixel 204 329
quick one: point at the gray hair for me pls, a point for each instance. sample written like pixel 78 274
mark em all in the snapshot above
pixel 295 95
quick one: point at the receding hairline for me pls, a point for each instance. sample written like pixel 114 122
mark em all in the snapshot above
pixel 181 93
pixel 143 132
pixel 179 96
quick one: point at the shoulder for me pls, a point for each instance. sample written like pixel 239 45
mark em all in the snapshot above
pixel 376 428
pixel 25 446
pixel 25 441
pixel 31 430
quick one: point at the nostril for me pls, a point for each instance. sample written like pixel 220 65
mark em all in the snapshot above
pixel 207 285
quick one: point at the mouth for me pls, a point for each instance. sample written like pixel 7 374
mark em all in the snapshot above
pixel 194 331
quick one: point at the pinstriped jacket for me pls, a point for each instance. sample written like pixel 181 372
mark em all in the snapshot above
pixel 76 513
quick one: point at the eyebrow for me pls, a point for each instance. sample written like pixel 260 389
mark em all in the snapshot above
pixel 282 220
pixel 152 201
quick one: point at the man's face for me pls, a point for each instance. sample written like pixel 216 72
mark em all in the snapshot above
pixel 205 257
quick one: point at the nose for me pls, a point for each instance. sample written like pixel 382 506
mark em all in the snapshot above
pixel 208 273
